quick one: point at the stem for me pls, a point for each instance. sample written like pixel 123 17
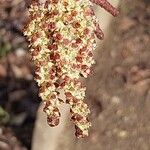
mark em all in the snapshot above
pixel 107 6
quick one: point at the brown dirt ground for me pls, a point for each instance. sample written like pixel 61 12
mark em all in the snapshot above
pixel 118 92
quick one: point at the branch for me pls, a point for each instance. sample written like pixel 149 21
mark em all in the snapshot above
pixel 107 6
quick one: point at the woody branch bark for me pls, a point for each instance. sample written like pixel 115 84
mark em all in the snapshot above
pixel 107 6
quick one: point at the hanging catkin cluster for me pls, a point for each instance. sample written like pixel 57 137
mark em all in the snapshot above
pixel 62 40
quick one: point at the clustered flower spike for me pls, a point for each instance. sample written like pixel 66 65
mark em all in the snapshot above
pixel 62 40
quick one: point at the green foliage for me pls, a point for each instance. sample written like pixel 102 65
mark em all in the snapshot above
pixel 4 116
pixel 4 49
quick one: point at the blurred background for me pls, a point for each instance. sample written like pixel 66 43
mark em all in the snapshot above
pixel 118 92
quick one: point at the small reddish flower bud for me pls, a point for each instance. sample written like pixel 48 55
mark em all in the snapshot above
pixel 79 59
pixel 66 41
pixel 52 121
pixel 86 31
pixel 51 25
pixel 73 13
pixel 69 18
pixel 58 36
pixel 76 24
pixel 53 47
pixel 65 3
pixel 54 1
pixel 78 40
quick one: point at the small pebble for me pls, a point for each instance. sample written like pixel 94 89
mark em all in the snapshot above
pixel 123 134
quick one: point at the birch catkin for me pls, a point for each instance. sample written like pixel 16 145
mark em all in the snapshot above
pixel 61 34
